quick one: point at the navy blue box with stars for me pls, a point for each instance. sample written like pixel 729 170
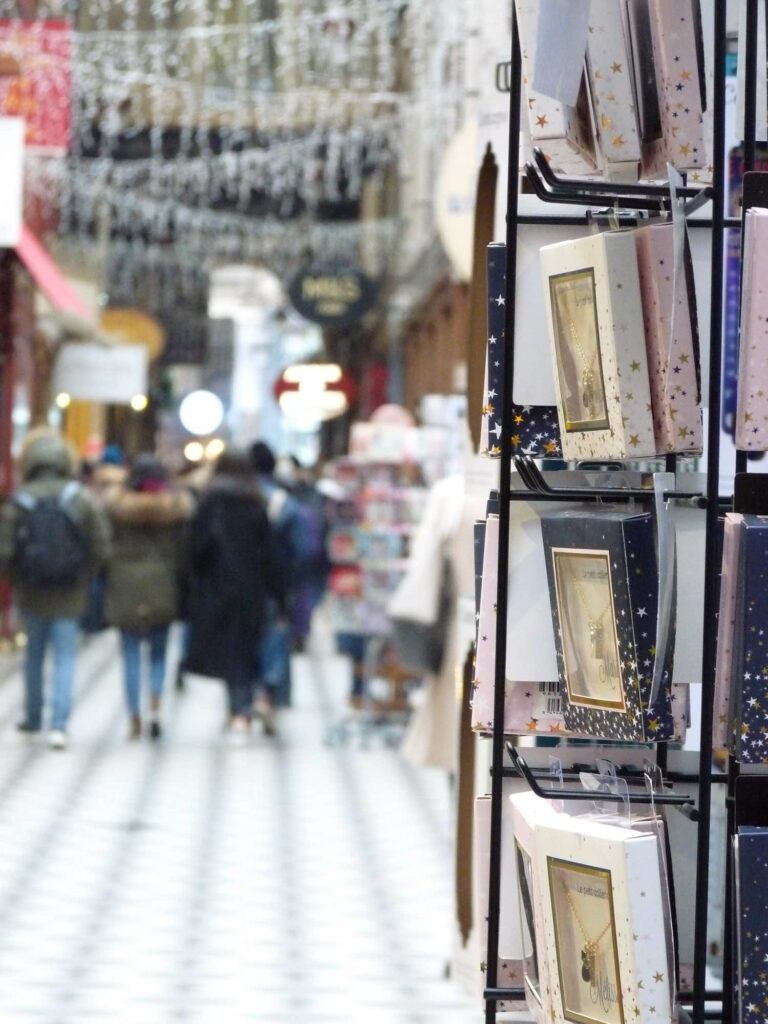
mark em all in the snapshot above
pixel 604 592
pixel 535 427
pixel 749 675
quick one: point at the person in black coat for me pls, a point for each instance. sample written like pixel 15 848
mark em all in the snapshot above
pixel 232 577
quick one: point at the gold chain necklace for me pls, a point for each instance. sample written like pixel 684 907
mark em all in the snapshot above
pixel 589 393
pixel 594 622
pixel 590 947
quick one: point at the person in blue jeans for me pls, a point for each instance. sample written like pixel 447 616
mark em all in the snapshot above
pixel 50 569
pixel 146 579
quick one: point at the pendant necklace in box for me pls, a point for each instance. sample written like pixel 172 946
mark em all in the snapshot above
pixel 590 396
pixel 590 947
pixel 598 648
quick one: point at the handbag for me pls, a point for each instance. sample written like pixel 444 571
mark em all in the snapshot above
pixel 420 645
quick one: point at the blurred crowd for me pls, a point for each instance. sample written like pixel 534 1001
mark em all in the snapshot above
pixel 237 556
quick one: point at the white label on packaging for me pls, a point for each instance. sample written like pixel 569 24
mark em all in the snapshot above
pixel 561 43
pixel 11 176
pixel 101 373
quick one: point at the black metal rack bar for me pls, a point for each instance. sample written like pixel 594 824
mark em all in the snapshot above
pixel 712 567
pixel 497 782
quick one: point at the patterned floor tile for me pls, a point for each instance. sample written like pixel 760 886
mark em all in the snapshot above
pixel 187 882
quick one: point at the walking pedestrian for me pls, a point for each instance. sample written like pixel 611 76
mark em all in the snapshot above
pixel 146 579
pixel 233 578
pixel 53 539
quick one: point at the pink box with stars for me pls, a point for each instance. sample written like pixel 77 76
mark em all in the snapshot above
pixel 597 342
pixel 610 78
pixel 752 403
pixel 671 341
pixel 679 59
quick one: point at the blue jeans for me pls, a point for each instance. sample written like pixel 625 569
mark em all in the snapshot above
pixel 157 640
pixel 63 634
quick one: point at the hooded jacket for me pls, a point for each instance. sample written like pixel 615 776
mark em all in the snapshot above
pixel 47 466
pixel 147 574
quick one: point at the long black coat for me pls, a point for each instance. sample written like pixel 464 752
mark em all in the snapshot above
pixel 232 578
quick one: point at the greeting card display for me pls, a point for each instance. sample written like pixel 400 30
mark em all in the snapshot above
pixel 604 593
pixel 597 340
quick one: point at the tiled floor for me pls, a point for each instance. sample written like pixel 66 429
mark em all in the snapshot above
pixel 185 881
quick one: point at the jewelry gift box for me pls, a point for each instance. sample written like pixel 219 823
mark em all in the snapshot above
pixel 609 66
pixel 565 133
pixel 597 340
pixel 726 625
pixel 752 401
pixel 679 58
pixel 603 911
pixel 535 427
pixel 750 855
pixel 673 358
pixel 604 593
pixel 749 670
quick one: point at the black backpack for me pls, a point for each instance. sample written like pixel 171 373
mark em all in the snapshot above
pixel 51 547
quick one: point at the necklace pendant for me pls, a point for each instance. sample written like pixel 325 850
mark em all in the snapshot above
pixel 596 638
pixel 588 395
pixel 587 963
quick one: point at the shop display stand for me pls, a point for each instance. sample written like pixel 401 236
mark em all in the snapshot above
pixel 619 198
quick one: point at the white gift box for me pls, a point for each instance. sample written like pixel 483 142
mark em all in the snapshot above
pixel 610 78
pixel 565 133
pixel 597 341
pixel 603 910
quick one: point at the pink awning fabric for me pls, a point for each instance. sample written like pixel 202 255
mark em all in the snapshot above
pixel 48 278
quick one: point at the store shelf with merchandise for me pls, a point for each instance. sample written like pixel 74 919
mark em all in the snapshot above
pixel 592 616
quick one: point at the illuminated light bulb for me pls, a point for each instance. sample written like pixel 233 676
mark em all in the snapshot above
pixel 214 448
pixel 194 451
pixel 63 400
pixel 139 403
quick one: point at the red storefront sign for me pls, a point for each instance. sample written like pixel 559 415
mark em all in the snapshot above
pixel 41 91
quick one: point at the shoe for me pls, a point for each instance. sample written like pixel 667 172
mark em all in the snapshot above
pixel 265 709
pixel 155 730
pixel 57 739
pixel 26 727
pixel 238 732
pixel 134 729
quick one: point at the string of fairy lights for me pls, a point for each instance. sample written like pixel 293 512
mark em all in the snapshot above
pixel 211 130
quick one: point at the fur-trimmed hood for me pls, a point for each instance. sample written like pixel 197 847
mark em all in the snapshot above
pixel 142 508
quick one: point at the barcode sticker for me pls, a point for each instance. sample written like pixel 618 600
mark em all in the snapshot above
pixel 554 706
pixel 549 688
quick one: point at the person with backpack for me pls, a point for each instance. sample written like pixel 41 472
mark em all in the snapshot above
pixel 53 539
pixel 146 578
pixel 234 580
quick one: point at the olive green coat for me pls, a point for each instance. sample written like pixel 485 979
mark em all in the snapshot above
pixel 46 469
pixel 147 574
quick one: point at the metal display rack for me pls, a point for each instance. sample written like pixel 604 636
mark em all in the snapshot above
pixel 696 1004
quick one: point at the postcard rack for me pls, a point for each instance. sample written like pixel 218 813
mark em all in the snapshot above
pixel 630 202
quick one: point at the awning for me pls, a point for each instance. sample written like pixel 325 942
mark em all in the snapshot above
pixel 48 278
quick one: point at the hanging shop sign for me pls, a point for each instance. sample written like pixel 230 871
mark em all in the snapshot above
pixel 314 391
pixel 332 296
pixel 110 374
pixel 11 163
pixel 40 90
